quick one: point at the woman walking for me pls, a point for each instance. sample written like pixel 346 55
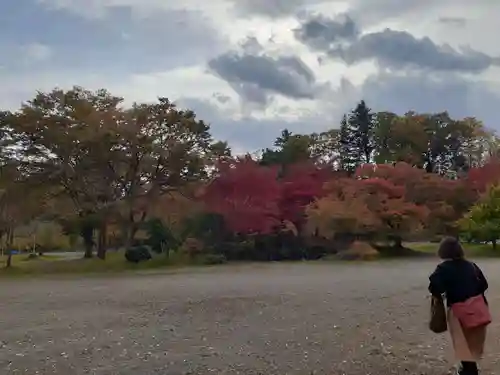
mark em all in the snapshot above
pixel 463 285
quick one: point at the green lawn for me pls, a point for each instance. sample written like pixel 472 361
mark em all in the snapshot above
pixel 22 259
pixel 115 261
pixel 47 264
pixel 476 250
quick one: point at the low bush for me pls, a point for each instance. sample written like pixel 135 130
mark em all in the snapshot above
pixel 359 251
pixel 192 247
pixel 138 254
pixel 32 256
pixel 212 259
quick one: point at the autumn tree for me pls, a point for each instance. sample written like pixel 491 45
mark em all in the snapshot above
pixel 111 161
pixel 21 202
pixel 8 209
pixel 63 138
pixel 445 199
pixel 395 214
pixel 288 149
pixel 368 208
pixel 8 172
pixel 383 137
pixel 246 195
pixel 434 142
pixel 300 185
pixel 324 147
pixel 483 176
pixel 482 222
pixel 342 210
pixel 157 149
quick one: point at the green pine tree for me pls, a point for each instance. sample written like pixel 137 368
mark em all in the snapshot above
pixel 347 155
pixel 362 124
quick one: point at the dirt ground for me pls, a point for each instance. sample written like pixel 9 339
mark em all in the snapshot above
pixel 297 319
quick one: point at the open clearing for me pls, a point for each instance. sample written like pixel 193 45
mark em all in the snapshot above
pixel 297 319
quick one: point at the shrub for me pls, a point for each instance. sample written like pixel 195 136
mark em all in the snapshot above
pixel 160 237
pixel 213 259
pixel 31 256
pixel 192 247
pixel 137 254
pixel 359 251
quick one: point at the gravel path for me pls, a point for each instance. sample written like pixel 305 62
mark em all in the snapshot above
pixel 297 319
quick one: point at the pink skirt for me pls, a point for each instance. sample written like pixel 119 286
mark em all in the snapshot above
pixel 468 344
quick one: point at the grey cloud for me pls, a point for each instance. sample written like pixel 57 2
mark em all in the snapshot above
pixel 251 46
pixel 398 49
pixel 453 21
pixel 370 12
pixel 399 93
pixel 422 92
pixel 324 34
pixel 221 98
pixel 256 77
pixel 124 40
pixel 252 96
pixel 377 12
pixel 271 8
pixel 249 134
pixel 169 39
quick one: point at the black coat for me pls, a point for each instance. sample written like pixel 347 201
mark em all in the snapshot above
pixel 458 280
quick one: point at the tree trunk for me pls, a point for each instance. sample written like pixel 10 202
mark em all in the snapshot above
pixel 89 246
pixel 2 244
pixel 102 242
pixel 10 241
pixel 494 244
pixel 88 240
pixel 398 242
pixel 132 227
pixel 129 232
pixel 8 264
pixel 165 250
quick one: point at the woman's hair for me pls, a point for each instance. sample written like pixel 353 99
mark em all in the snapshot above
pixel 450 248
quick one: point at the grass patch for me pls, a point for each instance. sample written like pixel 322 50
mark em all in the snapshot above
pixel 20 259
pixel 115 262
pixel 473 249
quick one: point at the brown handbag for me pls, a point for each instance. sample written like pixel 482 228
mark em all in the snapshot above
pixel 438 323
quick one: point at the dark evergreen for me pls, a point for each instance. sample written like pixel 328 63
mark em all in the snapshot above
pixel 347 156
pixel 362 124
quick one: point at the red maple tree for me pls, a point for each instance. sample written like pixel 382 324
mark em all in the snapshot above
pixel 246 195
pixel 480 178
pixel 301 185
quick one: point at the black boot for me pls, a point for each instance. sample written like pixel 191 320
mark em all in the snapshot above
pixel 468 368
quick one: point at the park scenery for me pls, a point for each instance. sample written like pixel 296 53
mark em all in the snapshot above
pixel 319 246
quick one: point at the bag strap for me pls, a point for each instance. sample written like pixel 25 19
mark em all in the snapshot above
pixel 476 270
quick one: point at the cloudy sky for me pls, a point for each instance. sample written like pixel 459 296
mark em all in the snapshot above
pixel 254 67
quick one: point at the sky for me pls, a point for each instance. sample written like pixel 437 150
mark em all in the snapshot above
pixel 251 68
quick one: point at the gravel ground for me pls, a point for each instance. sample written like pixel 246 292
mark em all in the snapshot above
pixel 297 319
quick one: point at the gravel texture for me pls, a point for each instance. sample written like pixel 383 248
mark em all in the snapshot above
pixel 297 319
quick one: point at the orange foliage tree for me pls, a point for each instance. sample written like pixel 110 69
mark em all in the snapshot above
pixel 445 199
pixel 367 205
pixel 341 210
